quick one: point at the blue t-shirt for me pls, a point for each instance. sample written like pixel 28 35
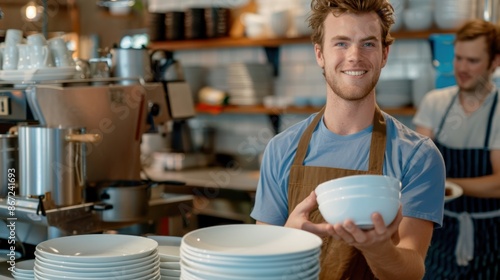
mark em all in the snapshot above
pixel 409 156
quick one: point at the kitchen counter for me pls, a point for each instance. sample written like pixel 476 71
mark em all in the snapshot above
pixel 221 195
pixel 211 177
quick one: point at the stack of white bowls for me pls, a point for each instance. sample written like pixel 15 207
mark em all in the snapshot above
pixel 169 252
pixel 248 252
pixel 97 256
pixel 450 14
pixel 24 270
pixel 357 197
pixel 248 83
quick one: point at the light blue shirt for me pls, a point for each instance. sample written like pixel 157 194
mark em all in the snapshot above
pixel 409 156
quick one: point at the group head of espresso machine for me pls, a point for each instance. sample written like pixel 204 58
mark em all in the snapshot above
pixel 73 153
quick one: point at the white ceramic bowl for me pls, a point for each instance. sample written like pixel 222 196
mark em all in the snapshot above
pixel 359 190
pixel 418 18
pixel 359 209
pixel 358 180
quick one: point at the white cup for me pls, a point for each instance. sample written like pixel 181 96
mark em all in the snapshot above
pixel 10 57
pixel 40 56
pixel 279 22
pixel 36 39
pixel 60 52
pixel 13 37
pixel 24 58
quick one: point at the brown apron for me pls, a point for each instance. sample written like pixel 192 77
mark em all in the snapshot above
pixel 338 259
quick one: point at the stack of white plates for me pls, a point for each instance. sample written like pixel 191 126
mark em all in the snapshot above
pixel 97 256
pixel 24 270
pixel 169 251
pixel 244 252
pixel 244 83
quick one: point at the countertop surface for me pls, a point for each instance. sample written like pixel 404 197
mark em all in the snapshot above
pixel 211 177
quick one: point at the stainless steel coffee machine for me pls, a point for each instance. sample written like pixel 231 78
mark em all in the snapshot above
pixel 93 134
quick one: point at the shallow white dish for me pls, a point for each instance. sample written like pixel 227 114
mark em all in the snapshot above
pixel 101 266
pixel 95 248
pixel 238 261
pixel 170 265
pixel 298 274
pixel 169 251
pixel 273 268
pixel 42 74
pixel 25 267
pixel 166 240
pixel 250 241
pixel 454 190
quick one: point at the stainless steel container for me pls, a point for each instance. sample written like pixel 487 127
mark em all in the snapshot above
pixel 8 162
pixel 53 160
pixel 129 200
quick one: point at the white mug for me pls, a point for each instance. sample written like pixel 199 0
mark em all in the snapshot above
pixel 10 57
pixel 40 56
pixel 24 58
pixel 60 52
pixel 13 37
pixel 36 39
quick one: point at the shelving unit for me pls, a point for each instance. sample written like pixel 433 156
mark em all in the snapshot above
pixel 275 113
pixel 272 47
pixel 267 42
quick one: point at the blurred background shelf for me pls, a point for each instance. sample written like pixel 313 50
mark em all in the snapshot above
pixel 268 42
pixel 260 109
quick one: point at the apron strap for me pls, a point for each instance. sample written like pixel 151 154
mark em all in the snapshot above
pixel 377 146
pixel 306 138
pixel 490 121
pixel 445 115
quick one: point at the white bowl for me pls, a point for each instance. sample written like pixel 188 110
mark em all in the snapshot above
pixel 418 18
pixel 359 209
pixel 360 190
pixel 355 180
pixel 166 240
pixel 250 241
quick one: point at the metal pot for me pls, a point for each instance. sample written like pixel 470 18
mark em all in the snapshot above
pixel 8 163
pixel 122 201
pixel 52 160
pixel 131 63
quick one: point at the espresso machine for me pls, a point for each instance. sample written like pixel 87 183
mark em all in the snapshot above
pixel 79 164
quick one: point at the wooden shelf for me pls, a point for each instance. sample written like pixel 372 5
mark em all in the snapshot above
pixel 267 42
pixel 259 109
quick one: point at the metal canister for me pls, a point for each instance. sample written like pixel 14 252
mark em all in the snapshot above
pixel 8 162
pixel 53 160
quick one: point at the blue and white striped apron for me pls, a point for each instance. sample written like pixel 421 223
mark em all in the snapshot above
pixel 468 245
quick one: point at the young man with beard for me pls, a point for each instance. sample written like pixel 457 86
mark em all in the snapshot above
pixel 351 136
pixel 464 122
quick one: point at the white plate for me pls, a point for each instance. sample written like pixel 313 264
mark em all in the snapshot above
pixel 42 74
pixel 274 269
pixel 132 263
pixel 25 266
pixel 147 269
pixel 250 241
pixel 311 273
pixel 238 261
pixel 92 269
pixel 171 251
pixel 95 248
pixel 166 240
pixel 455 190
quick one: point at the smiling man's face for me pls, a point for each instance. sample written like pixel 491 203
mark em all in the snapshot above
pixel 352 54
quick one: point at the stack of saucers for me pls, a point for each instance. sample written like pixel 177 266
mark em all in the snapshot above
pixel 245 252
pixel 169 252
pixel 97 256
pixel 24 270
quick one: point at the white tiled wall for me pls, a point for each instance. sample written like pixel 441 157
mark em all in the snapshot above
pixel 245 136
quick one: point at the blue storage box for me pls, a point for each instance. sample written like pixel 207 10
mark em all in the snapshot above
pixel 442 51
pixel 445 79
